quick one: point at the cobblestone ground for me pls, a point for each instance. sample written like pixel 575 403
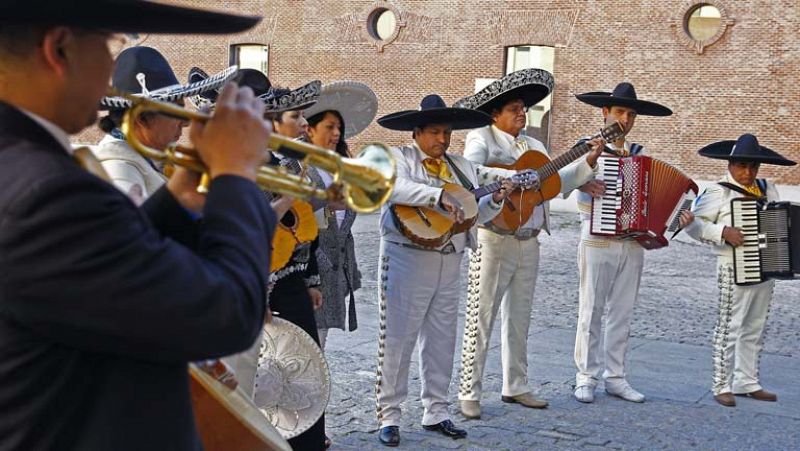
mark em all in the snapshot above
pixel 669 361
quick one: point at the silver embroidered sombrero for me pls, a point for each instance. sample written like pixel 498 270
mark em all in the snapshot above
pixel 529 85
pixel 293 383
pixel 277 100
pixel 143 71
pixel 355 101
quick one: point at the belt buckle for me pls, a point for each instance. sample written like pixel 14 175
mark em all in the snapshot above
pixel 523 234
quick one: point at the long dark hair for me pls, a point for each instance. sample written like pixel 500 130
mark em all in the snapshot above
pixel 341 146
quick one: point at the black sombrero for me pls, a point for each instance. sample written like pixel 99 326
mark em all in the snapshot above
pixel 624 95
pixel 433 110
pixel 746 148
pixel 529 85
pixel 143 71
pixel 277 100
pixel 131 16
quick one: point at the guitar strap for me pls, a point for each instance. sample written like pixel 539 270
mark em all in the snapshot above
pixel 461 177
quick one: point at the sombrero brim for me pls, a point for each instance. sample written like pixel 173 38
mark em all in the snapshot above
pixel 458 118
pixel 174 93
pixel 127 16
pixel 530 85
pixel 722 151
pixel 296 99
pixel 642 107
pixel 355 101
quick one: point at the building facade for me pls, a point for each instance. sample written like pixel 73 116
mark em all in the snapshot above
pixel 725 67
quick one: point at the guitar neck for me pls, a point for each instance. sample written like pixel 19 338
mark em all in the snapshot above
pixel 486 189
pixel 564 159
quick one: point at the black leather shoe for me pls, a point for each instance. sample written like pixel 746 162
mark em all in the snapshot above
pixel 389 435
pixel 447 428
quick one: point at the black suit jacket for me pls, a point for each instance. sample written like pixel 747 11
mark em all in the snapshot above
pixel 103 304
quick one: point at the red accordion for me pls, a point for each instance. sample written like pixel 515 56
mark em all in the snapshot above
pixel 643 200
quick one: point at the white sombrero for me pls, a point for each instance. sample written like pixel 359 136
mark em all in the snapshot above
pixel 355 101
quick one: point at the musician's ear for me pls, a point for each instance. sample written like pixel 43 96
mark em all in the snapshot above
pixel 606 111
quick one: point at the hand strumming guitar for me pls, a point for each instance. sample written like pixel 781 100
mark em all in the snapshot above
pixel 451 205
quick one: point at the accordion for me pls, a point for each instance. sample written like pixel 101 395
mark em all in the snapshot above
pixel 643 200
pixel 771 248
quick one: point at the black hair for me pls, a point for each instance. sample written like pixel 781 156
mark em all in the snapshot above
pixel 341 146
pixel 113 119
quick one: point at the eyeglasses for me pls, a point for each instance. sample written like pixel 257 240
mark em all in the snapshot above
pixel 517 109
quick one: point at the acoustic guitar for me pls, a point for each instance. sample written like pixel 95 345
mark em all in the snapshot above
pixel 433 227
pixel 520 204
pixel 295 227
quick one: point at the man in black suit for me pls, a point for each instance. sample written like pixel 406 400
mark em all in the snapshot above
pixel 103 304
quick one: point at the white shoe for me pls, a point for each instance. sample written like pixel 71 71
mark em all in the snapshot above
pixel 584 393
pixel 624 390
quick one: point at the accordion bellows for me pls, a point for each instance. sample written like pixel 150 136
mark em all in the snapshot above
pixel 643 200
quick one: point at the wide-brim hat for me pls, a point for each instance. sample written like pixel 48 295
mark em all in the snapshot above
pixel 624 95
pixel 276 100
pixel 127 16
pixel 746 148
pixel 354 101
pixel 143 71
pixel 529 85
pixel 433 110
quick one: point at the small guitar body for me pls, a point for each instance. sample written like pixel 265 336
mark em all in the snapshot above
pixel 296 226
pixel 430 227
pixel 519 205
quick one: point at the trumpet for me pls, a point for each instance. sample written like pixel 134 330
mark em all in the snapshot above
pixel 364 183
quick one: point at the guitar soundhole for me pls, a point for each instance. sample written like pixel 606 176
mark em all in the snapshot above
pixel 289 220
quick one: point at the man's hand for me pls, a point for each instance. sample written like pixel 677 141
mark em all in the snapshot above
pixel 597 145
pixel 183 186
pixel 281 205
pixel 733 236
pixel 451 205
pixel 594 188
pixel 268 316
pixel 507 186
pixel 220 371
pixel 686 218
pixel 234 140
pixel 316 298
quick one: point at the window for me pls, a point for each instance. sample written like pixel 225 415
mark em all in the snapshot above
pixel 250 56
pixel 381 24
pixel 703 22
pixel 534 57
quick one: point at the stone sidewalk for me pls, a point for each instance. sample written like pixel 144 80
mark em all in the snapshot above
pixel 669 361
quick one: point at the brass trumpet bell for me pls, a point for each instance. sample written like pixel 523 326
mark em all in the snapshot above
pixel 363 183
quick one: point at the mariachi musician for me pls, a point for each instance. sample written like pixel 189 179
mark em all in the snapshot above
pixel 145 72
pixel 103 304
pixel 420 286
pixel 504 267
pixel 743 309
pixel 610 268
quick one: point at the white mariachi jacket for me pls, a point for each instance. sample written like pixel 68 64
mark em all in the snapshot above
pixel 415 187
pixel 490 145
pixel 127 167
pixel 712 211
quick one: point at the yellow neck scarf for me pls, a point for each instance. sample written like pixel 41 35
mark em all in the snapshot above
pixel 438 168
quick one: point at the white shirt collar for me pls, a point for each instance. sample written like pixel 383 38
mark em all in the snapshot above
pixel 54 130
pixel 507 138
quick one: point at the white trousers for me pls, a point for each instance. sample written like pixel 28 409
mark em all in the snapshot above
pixel 418 304
pixel 323 338
pixel 610 273
pixel 739 333
pixel 502 276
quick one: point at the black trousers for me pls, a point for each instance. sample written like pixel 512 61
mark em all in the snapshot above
pixel 290 298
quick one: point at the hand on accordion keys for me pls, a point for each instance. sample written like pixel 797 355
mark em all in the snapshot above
pixel 733 236
pixel 594 188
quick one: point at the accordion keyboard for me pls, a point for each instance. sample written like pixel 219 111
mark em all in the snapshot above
pixel 747 257
pixel 604 209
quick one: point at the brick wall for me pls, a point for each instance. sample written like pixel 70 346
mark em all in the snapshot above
pixel 746 82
